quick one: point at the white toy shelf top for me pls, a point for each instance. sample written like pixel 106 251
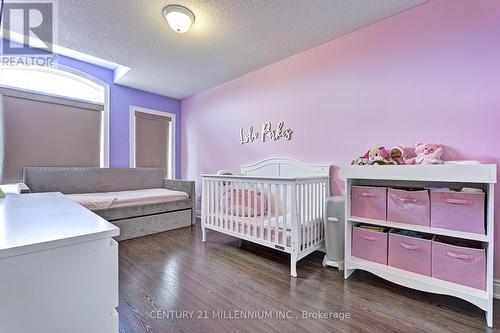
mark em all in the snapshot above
pixel 464 173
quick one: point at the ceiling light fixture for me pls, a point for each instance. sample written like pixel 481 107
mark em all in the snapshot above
pixel 179 18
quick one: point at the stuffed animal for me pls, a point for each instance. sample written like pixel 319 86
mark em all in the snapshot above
pixel 397 155
pixel 360 161
pixel 428 153
pixel 380 156
pixel 403 156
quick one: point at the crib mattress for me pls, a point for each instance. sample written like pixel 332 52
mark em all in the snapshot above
pixel 252 226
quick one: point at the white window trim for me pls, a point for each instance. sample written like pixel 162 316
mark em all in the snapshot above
pixel 104 159
pixel 171 158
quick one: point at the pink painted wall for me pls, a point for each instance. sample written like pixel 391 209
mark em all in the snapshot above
pixel 431 73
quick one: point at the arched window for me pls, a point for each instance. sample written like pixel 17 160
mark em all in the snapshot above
pixel 53 81
pixel 51 117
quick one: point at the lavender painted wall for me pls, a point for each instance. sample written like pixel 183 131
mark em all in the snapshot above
pixel 120 100
pixel 428 74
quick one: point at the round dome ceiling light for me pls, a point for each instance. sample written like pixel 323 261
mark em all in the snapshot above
pixel 179 18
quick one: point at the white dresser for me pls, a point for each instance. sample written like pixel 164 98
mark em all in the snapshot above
pixel 58 267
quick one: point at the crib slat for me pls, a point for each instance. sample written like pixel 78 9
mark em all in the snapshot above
pixel 298 204
pixel 314 201
pixel 308 214
pixel 261 231
pixel 237 214
pixel 212 203
pixel 316 213
pixel 241 219
pixel 269 213
pixel 319 221
pixel 301 222
pixel 220 219
pixel 297 209
pixel 203 200
pixel 219 207
pixel 234 199
pixel 244 210
pixel 209 202
pixel 277 216
pixel 249 210
pixel 249 195
pixel 313 214
pixel 241 222
pixel 285 213
pixel 254 211
pixel 219 204
pixel 226 210
pixel 216 201
pixel 304 217
pixel 304 221
pixel 230 208
pixel 323 190
pixel 244 204
pixel 321 211
pixel 243 207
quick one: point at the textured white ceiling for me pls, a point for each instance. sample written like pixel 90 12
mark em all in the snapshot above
pixel 229 38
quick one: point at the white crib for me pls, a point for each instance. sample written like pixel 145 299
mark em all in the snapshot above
pixel 292 222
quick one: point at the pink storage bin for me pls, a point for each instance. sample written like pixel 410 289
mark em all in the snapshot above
pixel 369 245
pixel 458 211
pixel 412 207
pixel 369 202
pixel 410 253
pixel 459 264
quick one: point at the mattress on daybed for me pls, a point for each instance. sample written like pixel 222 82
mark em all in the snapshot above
pixel 105 200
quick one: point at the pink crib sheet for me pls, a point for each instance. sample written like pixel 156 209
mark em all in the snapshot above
pixel 252 226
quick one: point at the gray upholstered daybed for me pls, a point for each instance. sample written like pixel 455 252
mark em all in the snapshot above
pixel 137 200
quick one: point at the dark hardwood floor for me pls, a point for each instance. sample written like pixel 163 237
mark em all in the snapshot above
pixel 172 282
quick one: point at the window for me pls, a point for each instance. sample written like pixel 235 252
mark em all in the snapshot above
pixel 52 81
pixel 49 118
pixel 152 139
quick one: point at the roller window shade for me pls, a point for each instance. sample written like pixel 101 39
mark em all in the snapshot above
pixel 47 132
pixel 151 140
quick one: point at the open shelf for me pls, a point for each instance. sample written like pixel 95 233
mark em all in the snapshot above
pixel 420 282
pixel 453 176
pixel 421 228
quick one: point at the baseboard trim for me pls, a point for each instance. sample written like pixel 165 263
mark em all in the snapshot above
pixel 496 288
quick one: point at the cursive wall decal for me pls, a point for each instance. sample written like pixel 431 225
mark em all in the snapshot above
pixel 267 133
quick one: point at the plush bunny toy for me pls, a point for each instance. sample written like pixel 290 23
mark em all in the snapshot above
pixel 428 153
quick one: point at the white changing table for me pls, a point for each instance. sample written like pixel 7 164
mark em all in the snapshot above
pixel 58 267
